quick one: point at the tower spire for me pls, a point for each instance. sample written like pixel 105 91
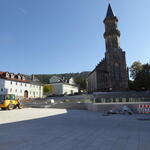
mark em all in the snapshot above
pixel 110 13
pixel 112 33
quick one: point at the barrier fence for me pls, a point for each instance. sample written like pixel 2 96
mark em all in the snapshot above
pixel 143 109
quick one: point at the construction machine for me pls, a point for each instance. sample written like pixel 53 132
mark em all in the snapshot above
pixel 9 102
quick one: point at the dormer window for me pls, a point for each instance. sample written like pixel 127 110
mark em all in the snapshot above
pixel 22 77
pixel 18 77
pixel 7 75
pixel 12 75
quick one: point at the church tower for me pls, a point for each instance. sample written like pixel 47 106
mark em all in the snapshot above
pixel 112 33
pixel 111 73
pixel 115 56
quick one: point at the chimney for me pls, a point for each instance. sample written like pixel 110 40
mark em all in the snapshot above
pixel 32 77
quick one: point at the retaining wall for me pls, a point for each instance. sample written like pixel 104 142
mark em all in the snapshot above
pixel 109 106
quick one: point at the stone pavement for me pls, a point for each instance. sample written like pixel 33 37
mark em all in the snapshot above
pixel 71 130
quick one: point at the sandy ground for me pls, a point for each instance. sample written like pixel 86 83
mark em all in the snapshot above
pixel 60 129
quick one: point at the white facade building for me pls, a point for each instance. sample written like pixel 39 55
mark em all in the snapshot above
pixel 19 86
pixel 65 89
pixel 62 87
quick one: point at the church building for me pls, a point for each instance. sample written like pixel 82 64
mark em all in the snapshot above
pixel 111 74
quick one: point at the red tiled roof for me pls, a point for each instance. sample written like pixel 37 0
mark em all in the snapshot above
pixel 12 79
pixel 2 73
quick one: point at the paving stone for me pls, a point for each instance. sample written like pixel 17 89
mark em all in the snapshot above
pixel 55 129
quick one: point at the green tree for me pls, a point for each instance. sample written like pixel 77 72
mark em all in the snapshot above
pixel 140 74
pixel 48 89
pixel 81 81
pixel 135 68
pixel 142 80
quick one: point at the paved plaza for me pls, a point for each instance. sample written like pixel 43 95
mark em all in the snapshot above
pixel 60 129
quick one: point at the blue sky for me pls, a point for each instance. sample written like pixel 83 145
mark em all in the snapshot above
pixel 63 36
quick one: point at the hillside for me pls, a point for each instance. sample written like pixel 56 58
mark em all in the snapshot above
pixel 80 78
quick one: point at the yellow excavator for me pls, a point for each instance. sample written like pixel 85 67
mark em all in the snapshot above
pixel 9 102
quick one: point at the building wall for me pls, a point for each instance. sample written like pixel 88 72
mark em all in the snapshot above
pixel 62 88
pixel 18 88
pixel 71 81
pixel 92 82
pixel 70 89
pixel 102 81
pixel 116 66
pixel 57 88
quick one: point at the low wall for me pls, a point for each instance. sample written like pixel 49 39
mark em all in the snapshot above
pixel 48 104
pixel 115 97
pixel 82 106
pixel 110 106
pixel 105 101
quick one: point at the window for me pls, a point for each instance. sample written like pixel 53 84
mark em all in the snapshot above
pixel 21 84
pixel 16 83
pixel 10 90
pixel 2 89
pixel 16 90
pixel 20 91
pixel 25 84
pixel 11 82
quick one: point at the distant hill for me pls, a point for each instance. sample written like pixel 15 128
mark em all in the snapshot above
pixel 80 78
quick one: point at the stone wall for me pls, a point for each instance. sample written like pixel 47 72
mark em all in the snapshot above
pixel 115 97
pixel 106 107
